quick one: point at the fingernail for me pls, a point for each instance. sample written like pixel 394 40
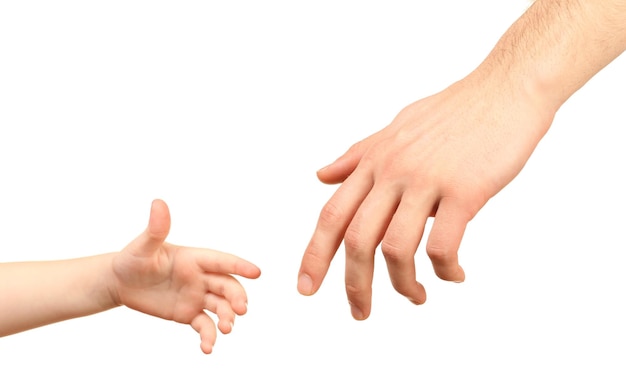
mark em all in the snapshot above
pixel 356 312
pixel 460 275
pixel 324 168
pixel 305 284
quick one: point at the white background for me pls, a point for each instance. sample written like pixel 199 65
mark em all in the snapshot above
pixel 225 110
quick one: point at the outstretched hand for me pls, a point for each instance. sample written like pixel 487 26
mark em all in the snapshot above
pixel 181 283
pixel 444 156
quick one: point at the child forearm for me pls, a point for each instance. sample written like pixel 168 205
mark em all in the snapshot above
pixel 43 292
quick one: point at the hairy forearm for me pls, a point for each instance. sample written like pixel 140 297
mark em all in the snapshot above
pixel 34 294
pixel 556 46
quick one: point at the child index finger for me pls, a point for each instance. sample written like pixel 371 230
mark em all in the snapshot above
pixel 212 261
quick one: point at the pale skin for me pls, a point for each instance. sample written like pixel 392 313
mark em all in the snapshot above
pixel 446 155
pixel 150 275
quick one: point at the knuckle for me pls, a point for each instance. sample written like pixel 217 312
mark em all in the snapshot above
pixel 393 250
pixel 354 291
pixel 313 256
pixel 315 260
pixel 354 241
pixel 331 215
pixel 401 288
pixel 356 147
pixel 440 254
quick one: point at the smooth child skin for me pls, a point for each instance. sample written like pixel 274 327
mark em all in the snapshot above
pixel 149 275
pixel 446 155
pixel 179 283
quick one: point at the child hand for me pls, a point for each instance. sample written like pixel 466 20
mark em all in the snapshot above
pixel 181 283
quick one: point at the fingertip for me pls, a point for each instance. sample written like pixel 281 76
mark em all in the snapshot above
pixel 225 327
pixel 241 308
pixel 322 170
pixel 305 284
pixel 420 297
pixel 206 348
pixel 245 268
pixel 460 275
pixel 159 222
pixel 327 176
pixel 158 206
pixel 449 272
pixel 158 201
pixel 357 313
pixel 205 327
pixel 340 169
pixel 255 272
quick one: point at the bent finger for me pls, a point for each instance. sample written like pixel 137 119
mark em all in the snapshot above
pixel 361 239
pixel 222 308
pixel 445 238
pixel 230 289
pixel 400 244
pixel 204 325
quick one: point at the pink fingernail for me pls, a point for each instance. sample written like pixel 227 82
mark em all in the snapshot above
pixel 356 312
pixel 305 284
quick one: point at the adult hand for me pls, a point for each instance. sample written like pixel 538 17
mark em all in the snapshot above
pixel 444 156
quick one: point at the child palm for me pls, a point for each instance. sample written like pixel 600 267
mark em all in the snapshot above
pixel 181 283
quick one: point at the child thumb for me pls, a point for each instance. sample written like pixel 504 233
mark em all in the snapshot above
pixel 159 223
